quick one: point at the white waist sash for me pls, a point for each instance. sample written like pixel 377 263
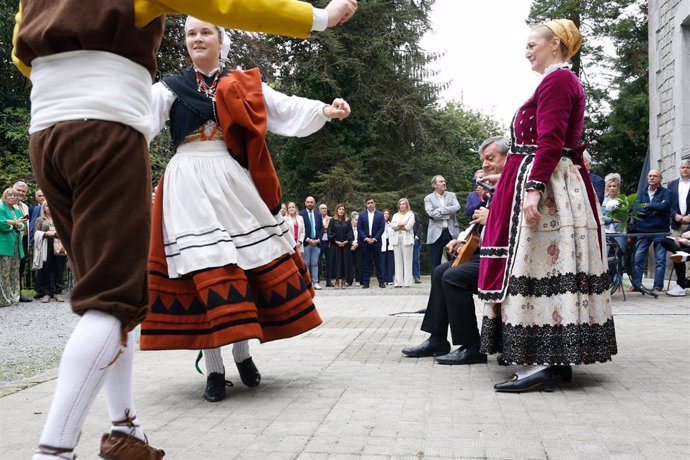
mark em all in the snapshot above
pixel 90 85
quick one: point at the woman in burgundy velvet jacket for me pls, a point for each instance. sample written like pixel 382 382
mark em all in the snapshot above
pixel 542 272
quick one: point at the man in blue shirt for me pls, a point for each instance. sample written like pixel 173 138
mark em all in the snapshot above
pixel 655 218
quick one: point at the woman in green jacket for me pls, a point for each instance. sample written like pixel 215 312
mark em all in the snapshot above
pixel 12 225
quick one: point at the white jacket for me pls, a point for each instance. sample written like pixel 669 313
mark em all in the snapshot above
pixel 404 236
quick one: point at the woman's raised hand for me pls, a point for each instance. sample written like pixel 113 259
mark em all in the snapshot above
pixel 339 109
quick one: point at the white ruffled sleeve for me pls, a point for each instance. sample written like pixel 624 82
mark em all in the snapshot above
pixel 162 101
pixel 292 115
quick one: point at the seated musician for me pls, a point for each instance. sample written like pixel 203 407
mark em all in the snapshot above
pixel 450 301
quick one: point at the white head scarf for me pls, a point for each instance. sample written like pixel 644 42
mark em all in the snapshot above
pixel 225 44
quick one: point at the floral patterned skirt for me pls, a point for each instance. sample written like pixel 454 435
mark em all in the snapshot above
pixel 556 307
pixel 9 278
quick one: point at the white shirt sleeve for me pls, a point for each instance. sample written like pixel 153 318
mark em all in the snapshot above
pixel 162 101
pixel 292 115
pixel 319 19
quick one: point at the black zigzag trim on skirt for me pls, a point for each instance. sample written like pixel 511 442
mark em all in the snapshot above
pixel 557 344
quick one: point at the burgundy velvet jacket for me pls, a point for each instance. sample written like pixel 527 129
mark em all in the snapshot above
pixel 550 121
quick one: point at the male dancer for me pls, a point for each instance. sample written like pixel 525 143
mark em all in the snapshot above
pixel 91 66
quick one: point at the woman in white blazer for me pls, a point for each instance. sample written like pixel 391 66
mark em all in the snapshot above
pixel 402 240
pixel 296 223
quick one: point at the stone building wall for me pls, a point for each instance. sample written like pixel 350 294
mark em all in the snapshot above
pixel 669 85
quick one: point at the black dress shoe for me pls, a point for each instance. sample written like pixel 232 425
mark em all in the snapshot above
pixel 464 355
pixel 249 373
pixel 564 372
pixel 365 286
pixel 501 361
pixel 24 299
pixel 417 281
pixel 215 387
pixel 329 284
pixel 542 380
pixel 429 347
pixel 382 285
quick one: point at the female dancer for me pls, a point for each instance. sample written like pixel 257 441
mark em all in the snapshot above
pixel 223 268
pixel 542 268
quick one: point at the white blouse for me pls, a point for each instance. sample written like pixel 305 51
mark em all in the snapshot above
pixel 286 115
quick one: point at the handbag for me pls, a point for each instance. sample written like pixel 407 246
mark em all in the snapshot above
pixel 58 248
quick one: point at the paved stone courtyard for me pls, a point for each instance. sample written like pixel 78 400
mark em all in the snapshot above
pixel 344 391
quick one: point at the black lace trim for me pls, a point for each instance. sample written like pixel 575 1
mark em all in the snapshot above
pixel 557 344
pixel 528 149
pixel 522 148
pixel 562 283
pixel 535 185
pixel 493 252
pixel 490 296
pixel 514 227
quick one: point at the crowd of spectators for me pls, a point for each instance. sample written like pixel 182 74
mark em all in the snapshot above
pixel 662 223
pixel 29 241
pixel 341 248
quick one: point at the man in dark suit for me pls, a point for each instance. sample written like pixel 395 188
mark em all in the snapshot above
pixel 655 217
pixel 313 231
pixel 680 222
pixel 418 235
pixel 680 199
pixel 370 227
pixel 597 181
pixel 450 301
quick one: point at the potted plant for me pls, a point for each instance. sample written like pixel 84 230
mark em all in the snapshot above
pixel 623 210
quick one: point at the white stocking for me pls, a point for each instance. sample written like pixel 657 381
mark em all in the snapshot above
pixel 93 345
pixel 214 361
pixel 117 389
pixel 240 351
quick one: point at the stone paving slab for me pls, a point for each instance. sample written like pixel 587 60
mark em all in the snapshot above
pixel 344 391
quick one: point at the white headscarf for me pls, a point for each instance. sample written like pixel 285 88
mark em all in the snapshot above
pixel 225 44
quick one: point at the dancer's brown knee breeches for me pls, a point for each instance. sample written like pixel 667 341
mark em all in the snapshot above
pixel 96 178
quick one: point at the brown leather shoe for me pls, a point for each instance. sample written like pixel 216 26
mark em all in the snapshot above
pixel 121 446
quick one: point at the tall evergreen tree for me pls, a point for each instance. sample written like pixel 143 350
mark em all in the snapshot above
pixel 623 144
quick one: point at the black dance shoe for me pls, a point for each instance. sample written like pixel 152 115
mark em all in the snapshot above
pixel 215 387
pixel 542 380
pixel 564 372
pixel 249 373
pixel 464 355
pixel 382 285
pixel 430 347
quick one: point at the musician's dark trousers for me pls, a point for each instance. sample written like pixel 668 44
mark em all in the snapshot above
pixel 437 247
pixel 451 302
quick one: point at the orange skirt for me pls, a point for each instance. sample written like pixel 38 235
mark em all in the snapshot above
pixel 222 305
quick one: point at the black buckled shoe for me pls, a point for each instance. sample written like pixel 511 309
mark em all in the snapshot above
pixel 430 347
pixel 249 373
pixel 215 387
pixel 542 380
pixel 464 355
